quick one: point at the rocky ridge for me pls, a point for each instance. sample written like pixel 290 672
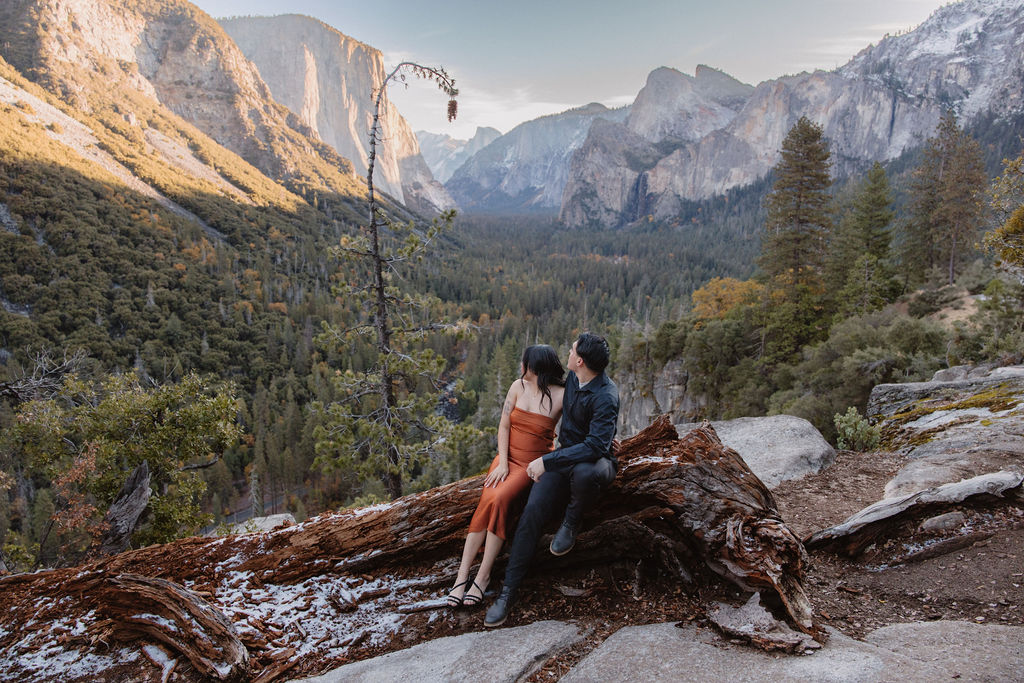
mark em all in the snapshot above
pixel 964 423
pixel 444 154
pixel 527 168
pixel 99 55
pixel 968 56
pixel 328 80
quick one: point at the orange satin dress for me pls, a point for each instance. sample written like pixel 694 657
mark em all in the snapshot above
pixel 531 435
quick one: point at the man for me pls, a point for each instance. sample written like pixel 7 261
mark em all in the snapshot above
pixel 582 465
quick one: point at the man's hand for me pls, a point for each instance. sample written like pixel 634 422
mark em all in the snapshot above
pixel 535 469
pixel 616 447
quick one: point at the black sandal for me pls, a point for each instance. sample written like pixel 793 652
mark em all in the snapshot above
pixel 453 601
pixel 473 600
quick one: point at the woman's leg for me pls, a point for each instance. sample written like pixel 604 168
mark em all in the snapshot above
pixel 469 551
pixel 492 547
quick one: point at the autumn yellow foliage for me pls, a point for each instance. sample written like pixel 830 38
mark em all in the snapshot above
pixel 722 294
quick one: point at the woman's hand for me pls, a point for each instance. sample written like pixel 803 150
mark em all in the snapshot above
pixel 497 475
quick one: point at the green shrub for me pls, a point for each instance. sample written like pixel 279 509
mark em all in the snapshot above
pixel 931 300
pixel 855 433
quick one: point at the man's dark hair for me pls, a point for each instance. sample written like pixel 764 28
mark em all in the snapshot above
pixel 594 351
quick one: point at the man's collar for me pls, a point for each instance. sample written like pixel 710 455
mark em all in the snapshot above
pixel 599 380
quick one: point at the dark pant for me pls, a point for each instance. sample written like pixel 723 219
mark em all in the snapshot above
pixel 580 484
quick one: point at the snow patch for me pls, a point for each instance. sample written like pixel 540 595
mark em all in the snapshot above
pixel 160 658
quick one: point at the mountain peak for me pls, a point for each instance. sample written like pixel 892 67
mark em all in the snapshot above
pixel 965 54
pixel 327 78
pixel 593 108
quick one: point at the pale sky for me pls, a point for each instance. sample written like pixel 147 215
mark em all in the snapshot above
pixel 515 61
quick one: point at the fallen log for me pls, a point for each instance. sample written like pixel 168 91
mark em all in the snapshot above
pixel 684 503
pixel 879 519
pixel 129 608
pixel 687 506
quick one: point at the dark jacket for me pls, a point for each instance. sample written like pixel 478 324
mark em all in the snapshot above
pixel 589 416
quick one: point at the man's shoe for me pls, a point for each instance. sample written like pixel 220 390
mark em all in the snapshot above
pixel 498 612
pixel 564 540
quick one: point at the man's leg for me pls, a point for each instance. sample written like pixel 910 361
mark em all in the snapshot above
pixel 586 480
pixel 546 497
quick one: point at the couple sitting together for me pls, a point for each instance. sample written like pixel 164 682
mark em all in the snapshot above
pixel 567 478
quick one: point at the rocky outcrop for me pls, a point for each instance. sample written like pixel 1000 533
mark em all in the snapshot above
pixel 917 652
pixel 886 100
pixel 644 395
pixel 513 654
pixel 444 154
pixel 673 651
pixel 329 79
pixel 967 423
pixel 527 168
pixel 776 448
pixel 964 435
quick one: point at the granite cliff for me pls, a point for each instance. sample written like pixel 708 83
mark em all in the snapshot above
pixel 609 178
pixel 328 80
pixel 527 168
pixel 444 154
pixel 887 99
pixel 136 57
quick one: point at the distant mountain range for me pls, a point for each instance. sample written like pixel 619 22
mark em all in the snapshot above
pixel 291 96
pixel 527 168
pixel 687 138
pixel 444 154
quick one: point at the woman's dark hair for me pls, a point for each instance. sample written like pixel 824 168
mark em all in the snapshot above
pixel 594 351
pixel 542 361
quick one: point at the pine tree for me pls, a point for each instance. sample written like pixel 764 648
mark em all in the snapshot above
pixel 872 214
pixel 1007 238
pixel 946 208
pixel 858 272
pixel 385 423
pixel 793 244
pixel 799 206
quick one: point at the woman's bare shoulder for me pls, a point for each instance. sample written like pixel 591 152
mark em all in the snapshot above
pixel 515 390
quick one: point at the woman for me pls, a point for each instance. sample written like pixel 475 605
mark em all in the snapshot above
pixel 526 432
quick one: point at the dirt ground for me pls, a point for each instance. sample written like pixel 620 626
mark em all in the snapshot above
pixel 974 573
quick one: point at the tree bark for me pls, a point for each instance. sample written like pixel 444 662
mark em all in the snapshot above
pixel 686 506
pixel 880 519
pixel 123 515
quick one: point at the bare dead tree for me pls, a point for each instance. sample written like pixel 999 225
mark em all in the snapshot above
pixel 383 417
pixel 43 379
